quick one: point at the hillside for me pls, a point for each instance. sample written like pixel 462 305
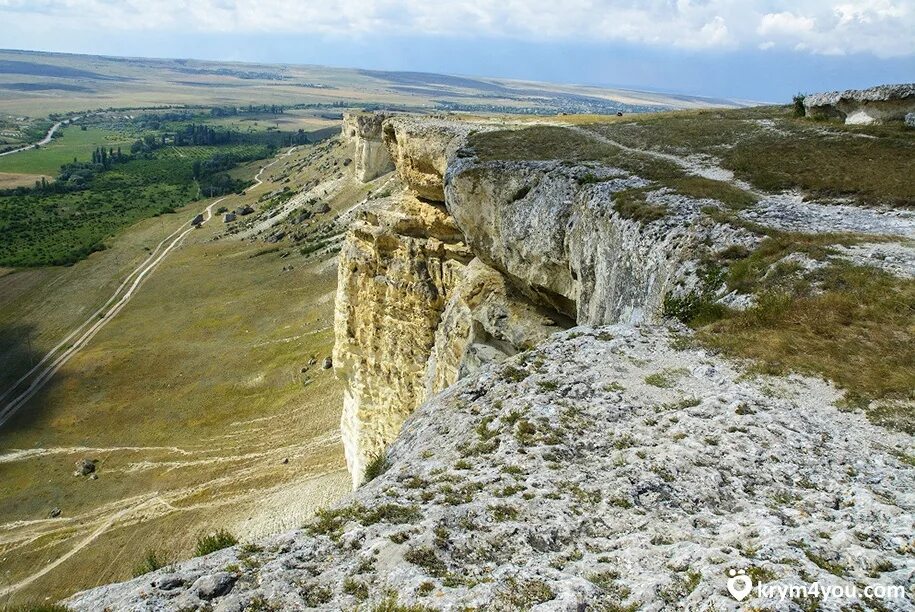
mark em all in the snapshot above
pixel 734 388
pixel 200 399
pixel 34 83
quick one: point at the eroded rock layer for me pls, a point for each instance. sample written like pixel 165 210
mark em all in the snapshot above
pixel 864 106
pixel 397 266
pixel 370 155
pixel 546 249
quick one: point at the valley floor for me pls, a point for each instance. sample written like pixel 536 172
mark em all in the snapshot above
pixel 203 402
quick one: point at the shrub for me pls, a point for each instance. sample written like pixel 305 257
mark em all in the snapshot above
pixel 215 541
pixel 694 309
pixel 523 595
pixel 798 103
pixel 376 467
pixel 150 563
pixel 356 588
pixel 631 204
pixel 426 558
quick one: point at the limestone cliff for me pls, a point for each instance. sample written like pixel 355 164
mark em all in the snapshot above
pixel 607 467
pixel 397 266
pixel 363 132
pixel 475 261
pixel 415 311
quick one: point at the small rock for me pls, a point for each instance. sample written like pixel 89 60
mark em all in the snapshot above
pixel 169 582
pixel 910 120
pixel 328 363
pixel 286 461
pixel 54 513
pixel 93 476
pixel 84 467
pixel 215 585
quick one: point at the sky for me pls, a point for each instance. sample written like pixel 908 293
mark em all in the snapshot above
pixel 762 50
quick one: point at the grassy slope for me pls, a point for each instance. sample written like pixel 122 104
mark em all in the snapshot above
pixel 206 358
pixel 773 150
pixel 853 325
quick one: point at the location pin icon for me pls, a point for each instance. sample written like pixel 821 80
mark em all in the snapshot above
pixel 739 584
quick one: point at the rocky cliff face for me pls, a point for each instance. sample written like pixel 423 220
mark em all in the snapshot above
pixel 530 468
pixel 864 106
pixel 475 261
pixel 398 265
pixel 363 132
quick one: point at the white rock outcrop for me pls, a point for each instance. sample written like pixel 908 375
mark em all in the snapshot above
pixel 414 311
pixel 371 157
pixel 863 106
pixel 547 250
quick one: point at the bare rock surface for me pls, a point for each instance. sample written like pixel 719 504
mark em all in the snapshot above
pixel 363 131
pixel 791 212
pixel 897 258
pixel 864 106
pixel 607 467
pixel 471 261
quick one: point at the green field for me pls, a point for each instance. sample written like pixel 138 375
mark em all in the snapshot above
pixel 42 228
pixel 74 143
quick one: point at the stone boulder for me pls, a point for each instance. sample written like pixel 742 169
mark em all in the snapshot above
pixel 84 467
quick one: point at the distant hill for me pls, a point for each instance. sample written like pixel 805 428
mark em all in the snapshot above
pixel 38 83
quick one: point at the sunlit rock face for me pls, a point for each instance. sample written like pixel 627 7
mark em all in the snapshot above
pixel 371 158
pixel 471 262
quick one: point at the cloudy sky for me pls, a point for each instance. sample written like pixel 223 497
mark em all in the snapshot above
pixel 752 49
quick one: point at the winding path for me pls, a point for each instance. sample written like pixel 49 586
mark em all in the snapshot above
pixel 47 137
pixel 43 371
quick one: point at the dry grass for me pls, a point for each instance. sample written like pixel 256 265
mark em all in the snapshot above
pixel 631 204
pixel 9 180
pixel 773 150
pixel 699 187
pixel 875 170
pixel 857 332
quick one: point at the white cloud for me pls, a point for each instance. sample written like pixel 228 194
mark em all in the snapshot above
pixel 882 27
pixel 785 23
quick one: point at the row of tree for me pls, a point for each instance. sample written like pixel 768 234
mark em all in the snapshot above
pixel 107 157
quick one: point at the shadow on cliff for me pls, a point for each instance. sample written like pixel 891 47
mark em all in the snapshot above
pixel 17 357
